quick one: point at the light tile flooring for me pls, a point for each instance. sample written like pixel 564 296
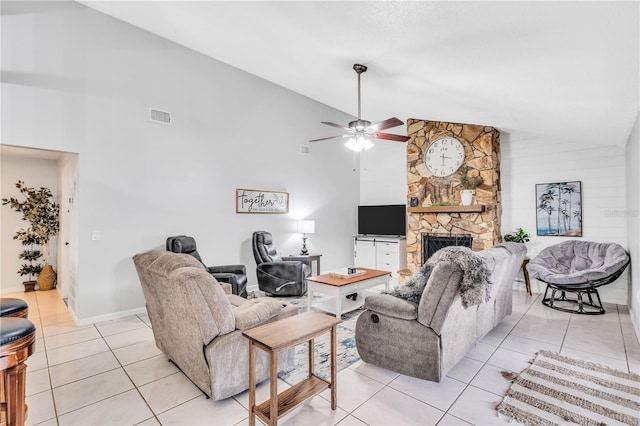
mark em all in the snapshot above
pixel 112 373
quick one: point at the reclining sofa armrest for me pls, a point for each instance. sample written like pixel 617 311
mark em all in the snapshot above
pixel 303 259
pixel 291 270
pixel 228 269
pixel 224 277
pixel 256 312
pixel 392 306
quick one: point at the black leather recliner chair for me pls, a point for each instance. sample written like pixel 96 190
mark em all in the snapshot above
pixel 278 275
pixel 236 275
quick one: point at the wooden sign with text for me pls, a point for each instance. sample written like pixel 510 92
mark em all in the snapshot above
pixel 256 201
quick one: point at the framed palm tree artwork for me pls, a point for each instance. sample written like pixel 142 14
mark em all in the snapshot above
pixel 559 209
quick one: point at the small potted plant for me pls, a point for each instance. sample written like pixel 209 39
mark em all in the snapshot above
pixel 42 213
pixel 468 185
pixel 518 236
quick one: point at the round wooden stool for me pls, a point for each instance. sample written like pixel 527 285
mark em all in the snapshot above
pixel 17 343
pixel 10 307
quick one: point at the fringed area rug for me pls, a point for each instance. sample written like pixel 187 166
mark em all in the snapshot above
pixel 560 390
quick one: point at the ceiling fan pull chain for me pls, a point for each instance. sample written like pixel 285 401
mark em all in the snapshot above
pixel 363 163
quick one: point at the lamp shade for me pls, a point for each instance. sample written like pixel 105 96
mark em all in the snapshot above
pixel 306 226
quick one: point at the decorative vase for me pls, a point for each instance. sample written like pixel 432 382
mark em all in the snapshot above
pixel 47 278
pixel 466 196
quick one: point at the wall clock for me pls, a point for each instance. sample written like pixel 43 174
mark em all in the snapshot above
pixel 444 156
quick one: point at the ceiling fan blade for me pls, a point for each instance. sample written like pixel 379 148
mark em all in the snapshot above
pixel 385 124
pixel 330 137
pixel 389 136
pixel 339 126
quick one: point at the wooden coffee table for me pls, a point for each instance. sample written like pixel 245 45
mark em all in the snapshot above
pixel 338 288
pixel 281 335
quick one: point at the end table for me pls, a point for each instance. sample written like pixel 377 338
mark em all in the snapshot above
pixel 276 337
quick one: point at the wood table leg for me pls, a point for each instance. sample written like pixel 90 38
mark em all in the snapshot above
pixel 526 275
pixel 273 384
pixel 252 384
pixel 334 388
pixel 311 357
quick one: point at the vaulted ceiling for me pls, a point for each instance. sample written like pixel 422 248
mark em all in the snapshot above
pixel 565 70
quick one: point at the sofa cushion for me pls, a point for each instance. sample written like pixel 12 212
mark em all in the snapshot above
pixel 441 290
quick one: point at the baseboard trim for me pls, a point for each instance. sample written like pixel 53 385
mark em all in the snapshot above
pixel 106 317
pixel 14 290
pixel 634 322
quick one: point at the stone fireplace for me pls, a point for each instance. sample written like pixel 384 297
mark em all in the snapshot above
pixel 433 202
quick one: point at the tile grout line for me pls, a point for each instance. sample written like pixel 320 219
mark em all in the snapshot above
pixel 46 357
pixel 467 385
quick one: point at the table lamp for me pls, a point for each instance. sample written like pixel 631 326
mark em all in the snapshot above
pixel 305 227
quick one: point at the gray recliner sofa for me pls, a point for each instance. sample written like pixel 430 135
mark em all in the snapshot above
pixel 198 324
pixel 426 339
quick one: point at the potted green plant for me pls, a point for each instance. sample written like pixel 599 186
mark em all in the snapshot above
pixel 468 185
pixel 43 215
pixel 518 236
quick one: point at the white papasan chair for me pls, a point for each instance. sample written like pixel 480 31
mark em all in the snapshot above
pixel 578 267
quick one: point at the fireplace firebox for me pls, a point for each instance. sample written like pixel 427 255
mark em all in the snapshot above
pixel 431 243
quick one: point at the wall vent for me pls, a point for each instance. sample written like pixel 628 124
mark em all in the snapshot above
pixel 159 116
pixel 305 150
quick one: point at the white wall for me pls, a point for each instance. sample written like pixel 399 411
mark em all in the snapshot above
pixel 35 173
pixel 633 217
pixel 78 81
pixel 527 161
pixel 383 174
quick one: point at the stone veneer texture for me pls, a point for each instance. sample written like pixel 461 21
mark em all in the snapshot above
pixel 482 157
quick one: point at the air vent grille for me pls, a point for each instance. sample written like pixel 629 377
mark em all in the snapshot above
pixel 305 150
pixel 159 116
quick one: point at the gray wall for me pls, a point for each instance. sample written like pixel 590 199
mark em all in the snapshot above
pixel 78 81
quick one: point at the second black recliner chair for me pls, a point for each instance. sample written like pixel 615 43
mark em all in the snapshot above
pixel 236 275
pixel 278 275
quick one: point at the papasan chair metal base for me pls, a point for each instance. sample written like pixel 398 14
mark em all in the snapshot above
pixel 578 268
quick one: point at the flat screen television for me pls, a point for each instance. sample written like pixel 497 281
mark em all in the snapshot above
pixel 382 220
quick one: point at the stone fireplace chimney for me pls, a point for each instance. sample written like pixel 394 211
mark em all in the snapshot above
pixel 433 202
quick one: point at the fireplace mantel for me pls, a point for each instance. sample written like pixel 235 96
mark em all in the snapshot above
pixel 476 208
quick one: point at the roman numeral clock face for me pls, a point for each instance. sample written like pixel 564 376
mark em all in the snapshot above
pixel 444 156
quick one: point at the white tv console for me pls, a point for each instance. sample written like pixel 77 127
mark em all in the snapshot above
pixel 380 252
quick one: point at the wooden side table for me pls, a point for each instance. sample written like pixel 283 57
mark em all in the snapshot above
pixel 526 274
pixel 312 257
pixel 276 337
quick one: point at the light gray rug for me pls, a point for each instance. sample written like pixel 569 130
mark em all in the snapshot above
pixel 560 390
pixel 347 353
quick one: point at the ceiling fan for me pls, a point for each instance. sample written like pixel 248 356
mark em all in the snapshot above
pixel 360 131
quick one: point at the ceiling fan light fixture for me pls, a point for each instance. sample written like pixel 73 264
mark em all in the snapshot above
pixel 358 144
pixel 361 131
